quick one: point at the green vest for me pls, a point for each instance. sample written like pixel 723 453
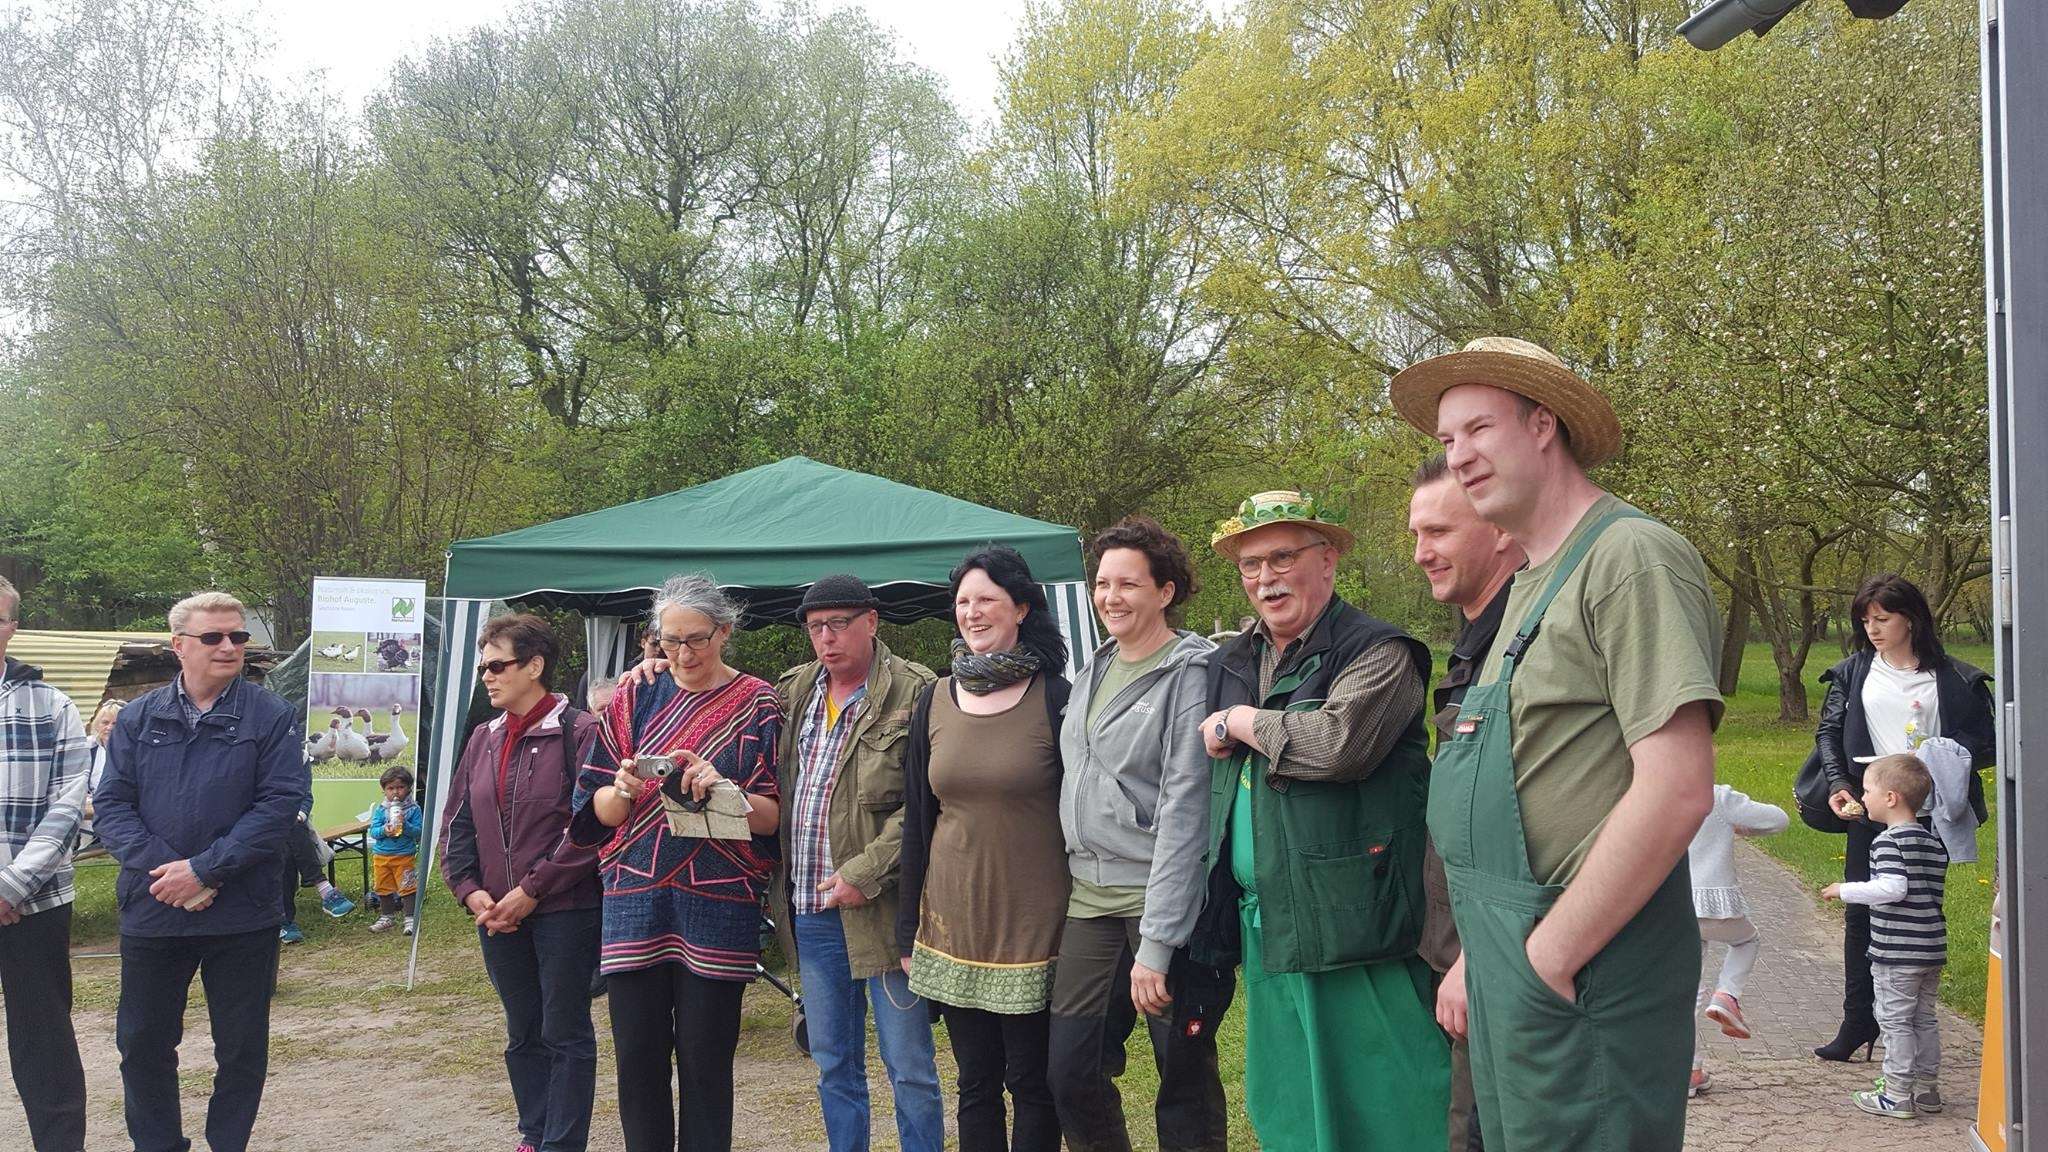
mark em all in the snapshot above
pixel 1336 867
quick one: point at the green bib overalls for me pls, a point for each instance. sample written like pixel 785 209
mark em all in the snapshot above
pixel 1604 1074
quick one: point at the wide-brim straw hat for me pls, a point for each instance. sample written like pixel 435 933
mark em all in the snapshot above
pixel 1281 506
pixel 1522 368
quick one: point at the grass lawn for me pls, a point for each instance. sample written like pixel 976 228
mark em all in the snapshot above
pixel 1760 755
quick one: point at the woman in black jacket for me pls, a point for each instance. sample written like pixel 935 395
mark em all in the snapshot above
pixel 1896 689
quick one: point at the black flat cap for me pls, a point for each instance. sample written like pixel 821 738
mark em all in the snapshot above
pixel 838 590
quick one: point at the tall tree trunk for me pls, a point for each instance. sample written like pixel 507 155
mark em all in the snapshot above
pixel 1735 631
pixel 1791 688
pixel 1787 625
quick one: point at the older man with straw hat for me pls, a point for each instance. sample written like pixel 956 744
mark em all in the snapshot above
pixel 1319 774
pixel 1579 767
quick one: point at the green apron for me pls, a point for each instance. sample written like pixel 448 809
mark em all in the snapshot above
pixel 1348 1060
pixel 1609 1071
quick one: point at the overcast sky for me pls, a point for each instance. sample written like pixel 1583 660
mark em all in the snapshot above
pixel 354 43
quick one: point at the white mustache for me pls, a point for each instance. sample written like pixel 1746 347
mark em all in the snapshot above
pixel 1266 590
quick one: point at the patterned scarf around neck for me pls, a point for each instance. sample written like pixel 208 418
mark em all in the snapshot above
pixel 982 675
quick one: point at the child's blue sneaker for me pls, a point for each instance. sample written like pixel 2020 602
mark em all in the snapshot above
pixel 290 934
pixel 335 904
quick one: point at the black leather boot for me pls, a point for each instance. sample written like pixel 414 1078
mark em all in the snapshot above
pixel 1854 1034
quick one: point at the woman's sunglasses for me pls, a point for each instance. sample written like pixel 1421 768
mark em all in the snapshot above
pixel 209 639
pixel 496 667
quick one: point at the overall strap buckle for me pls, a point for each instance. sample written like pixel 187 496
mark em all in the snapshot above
pixel 1521 642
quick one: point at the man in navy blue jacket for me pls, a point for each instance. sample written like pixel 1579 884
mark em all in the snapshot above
pixel 204 778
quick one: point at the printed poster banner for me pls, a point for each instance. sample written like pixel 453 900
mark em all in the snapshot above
pixel 363 687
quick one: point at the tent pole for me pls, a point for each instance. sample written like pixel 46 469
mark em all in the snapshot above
pixel 454 683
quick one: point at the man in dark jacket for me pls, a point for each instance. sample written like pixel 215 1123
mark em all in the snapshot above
pixel 1319 773
pixel 1468 563
pixel 204 778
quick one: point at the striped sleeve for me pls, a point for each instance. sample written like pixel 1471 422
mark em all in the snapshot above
pixel 1886 859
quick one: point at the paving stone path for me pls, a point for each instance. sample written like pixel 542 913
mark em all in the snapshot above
pixel 1770 1093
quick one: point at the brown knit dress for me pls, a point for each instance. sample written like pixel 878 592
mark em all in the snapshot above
pixel 995 890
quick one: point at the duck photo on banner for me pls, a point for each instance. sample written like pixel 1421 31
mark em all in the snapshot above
pixel 365 720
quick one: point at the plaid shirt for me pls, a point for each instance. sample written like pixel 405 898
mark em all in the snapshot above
pixel 45 760
pixel 193 713
pixel 817 749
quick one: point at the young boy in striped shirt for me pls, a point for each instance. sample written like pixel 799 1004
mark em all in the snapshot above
pixel 1908 937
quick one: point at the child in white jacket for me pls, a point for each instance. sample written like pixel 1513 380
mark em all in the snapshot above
pixel 1723 913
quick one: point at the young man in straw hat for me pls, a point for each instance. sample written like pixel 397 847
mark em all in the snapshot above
pixel 1318 778
pixel 1581 763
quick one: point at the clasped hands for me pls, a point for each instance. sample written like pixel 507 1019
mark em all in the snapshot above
pixel 177 885
pixel 500 914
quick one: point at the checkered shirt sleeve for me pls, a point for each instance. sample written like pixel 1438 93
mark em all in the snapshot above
pixel 45 760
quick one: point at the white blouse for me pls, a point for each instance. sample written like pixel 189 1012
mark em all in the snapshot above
pixel 1900 708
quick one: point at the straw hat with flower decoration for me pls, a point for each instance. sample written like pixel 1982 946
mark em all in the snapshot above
pixel 1283 506
pixel 1524 369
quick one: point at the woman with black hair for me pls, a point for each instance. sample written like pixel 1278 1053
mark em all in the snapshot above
pixel 984 864
pixel 1898 688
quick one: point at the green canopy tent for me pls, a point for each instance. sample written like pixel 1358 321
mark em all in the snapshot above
pixel 764 534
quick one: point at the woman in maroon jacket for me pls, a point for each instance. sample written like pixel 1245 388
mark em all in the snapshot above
pixel 535 896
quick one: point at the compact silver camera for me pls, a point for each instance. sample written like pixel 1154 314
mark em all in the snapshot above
pixel 654 767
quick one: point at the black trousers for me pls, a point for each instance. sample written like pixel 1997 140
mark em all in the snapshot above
pixel 42 1050
pixel 667 1017
pixel 302 867
pixel 239 973
pixel 995 1052
pixel 1859 994
pixel 542 974
pixel 1092 1017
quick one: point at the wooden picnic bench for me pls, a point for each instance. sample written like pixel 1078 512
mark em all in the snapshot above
pixel 350 837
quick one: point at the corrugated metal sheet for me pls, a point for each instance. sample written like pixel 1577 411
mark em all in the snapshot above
pixel 79 663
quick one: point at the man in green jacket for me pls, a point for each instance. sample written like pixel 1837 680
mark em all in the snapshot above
pixel 1319 775
pixel 844 717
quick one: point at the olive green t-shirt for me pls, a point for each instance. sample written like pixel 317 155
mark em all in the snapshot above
pixel 1632 635
pixel 1119 676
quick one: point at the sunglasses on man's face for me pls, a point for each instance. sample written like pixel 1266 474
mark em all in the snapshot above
pixel 496 667
pixel 209 639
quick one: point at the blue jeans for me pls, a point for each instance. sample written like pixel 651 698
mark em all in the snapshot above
pixel 835 1005
pixel 542 974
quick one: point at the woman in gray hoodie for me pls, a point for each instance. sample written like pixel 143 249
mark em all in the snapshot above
pixel 1134 805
